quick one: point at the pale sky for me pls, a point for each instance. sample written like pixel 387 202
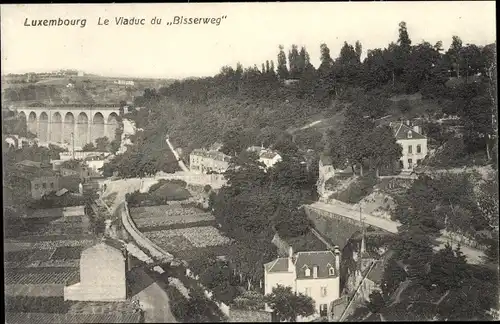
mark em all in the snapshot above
pixel 250 34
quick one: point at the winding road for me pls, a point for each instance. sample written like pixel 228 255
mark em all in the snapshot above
pixel 474 256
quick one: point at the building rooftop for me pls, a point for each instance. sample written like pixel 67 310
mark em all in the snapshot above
pixel 267 154
pixel 278 265
pixel 402 130
pixel 29 170
pixel 377 272
pixel 219 156
pixel 324 260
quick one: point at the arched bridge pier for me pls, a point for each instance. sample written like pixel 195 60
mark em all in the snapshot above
pixel 59 123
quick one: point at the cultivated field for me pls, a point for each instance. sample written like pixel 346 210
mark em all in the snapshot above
pixel 196 236
pixel 170 216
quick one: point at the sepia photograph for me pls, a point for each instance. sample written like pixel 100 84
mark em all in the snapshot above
pixel 250 162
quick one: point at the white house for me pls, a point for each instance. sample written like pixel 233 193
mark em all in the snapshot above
pixel 315 274
pixel 266 156
pixel 124 82
pixel 414 144
pixel 203 161
pixel 269 158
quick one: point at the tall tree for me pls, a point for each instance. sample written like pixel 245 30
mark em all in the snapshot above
pixel 355 134
pixel 294 62
pixel 358 48
pixel 282 66
pixel 404 40
pixel 303 61
pixel 385 150
pixel 288 305
pixel 453 54
pixel 326 60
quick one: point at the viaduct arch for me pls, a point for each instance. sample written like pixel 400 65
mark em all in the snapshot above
pixel 60 123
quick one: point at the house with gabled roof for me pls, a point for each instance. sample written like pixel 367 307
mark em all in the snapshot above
pixel 413 142
pixel 266 156
pixel 315 274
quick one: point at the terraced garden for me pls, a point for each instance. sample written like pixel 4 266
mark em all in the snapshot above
pixel 172 216
pixel 41 276
pixel 185 231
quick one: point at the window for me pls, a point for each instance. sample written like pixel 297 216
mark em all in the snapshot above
pixel 323 310
pixel 419 149
pixel 331 271
pixel 44 186
pixel 409 134
pixel 410 149
pixel 308 291
pixel 307 272
pixel 51 185
pixel 315 272
pixel 410 162
pixel 323 291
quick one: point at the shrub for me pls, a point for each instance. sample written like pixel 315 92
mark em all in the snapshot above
pixel 170 191
pixel 249 300
pixel 137 199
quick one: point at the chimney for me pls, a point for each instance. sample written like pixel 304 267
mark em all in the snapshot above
pixel 315 271
pixel 416 128
pixel 408 122
pixel 290 259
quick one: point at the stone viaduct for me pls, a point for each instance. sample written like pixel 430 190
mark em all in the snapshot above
pixel 58 123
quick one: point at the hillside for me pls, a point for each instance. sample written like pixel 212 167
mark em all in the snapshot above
pixel 85 90
pixel 294 104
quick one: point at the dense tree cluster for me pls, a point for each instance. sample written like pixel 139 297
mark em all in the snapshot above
pixel 360 142
pixel 255 105
pixel 444 202
pixel 148 155
pixel 256 202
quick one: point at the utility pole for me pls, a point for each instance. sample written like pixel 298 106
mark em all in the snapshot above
pixel 363 248
pixel 73 140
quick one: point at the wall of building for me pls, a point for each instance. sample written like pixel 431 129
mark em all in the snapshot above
pixel 204 164
pixel 414 156
pixel 332 290
pixel 272 280
pixel 43 185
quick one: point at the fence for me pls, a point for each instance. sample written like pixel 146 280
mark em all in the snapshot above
pixel 139 238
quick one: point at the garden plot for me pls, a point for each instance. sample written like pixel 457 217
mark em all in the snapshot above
pixel 41 277
pixel 48 290
pixel 56 244
pixel 67 253
pixel 164 217
pixel 26 257
pixel 197 237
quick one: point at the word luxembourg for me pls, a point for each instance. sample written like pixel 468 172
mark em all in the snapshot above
pixel 55 22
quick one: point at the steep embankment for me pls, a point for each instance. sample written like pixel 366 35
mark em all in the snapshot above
pixel 129 129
